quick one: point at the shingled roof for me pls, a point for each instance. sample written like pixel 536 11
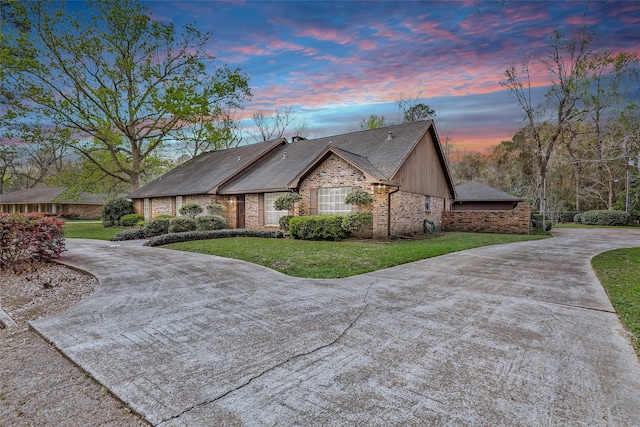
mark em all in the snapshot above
pixel 278 166
pixel 379 152
pixel 48 195
pixel 205 172
pixel 474 191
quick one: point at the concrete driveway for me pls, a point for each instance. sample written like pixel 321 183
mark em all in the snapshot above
pixel 518 334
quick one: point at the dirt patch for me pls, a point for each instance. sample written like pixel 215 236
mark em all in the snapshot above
pixel 39 386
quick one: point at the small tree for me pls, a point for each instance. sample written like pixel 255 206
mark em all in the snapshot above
pixel 190 210
pixel 286 201
pixel 216 209
pixel 359 198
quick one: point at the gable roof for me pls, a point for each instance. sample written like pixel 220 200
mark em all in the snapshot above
pixel 474 191
pixel 48 195
pixel 205 172
pixel 370 150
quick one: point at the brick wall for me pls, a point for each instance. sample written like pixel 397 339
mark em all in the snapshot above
pixel 333 172
pixel 82 211
pixel 408 213
pixel 162 206
pixel 516 221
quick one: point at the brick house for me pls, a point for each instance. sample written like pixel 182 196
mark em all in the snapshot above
pixel 481 208
pixel 402 167
pixel 50 201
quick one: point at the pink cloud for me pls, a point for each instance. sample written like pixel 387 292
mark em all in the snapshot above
pixel 324 34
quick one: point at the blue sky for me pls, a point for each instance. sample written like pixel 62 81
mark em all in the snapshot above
pixel 337 62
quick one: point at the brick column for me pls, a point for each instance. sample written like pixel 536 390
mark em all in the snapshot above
pixel 380 212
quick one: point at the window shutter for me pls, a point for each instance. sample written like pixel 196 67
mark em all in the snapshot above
pixel 313 201
pixel 261 209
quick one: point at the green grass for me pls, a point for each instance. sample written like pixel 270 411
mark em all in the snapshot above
pixel 303 258
pixel 89 230
pixel 619 273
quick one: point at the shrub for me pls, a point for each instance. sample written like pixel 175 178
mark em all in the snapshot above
pixel 357 223
pixel 190 210
pixel 567 216
pixel 156 227
pixel 577 218
pixel 188 236
pixel 359 197
pixel 283 222
pixel 130 220
pixel 286 202
pixel 164 216
pixel 180 225
pixel 115 209
pixel 216 209
pixel 28 237
pixel 210 222
pixel 605 218
pixel 317 227
pixel 136 233
pixel 536 223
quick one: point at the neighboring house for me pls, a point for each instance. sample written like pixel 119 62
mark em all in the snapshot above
pixel 402 167
pixel 481 208
pixel 50 201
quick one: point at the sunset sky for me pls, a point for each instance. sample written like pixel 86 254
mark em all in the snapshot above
pixel 337 62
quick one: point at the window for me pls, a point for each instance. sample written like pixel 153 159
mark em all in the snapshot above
pixel 271 215
pixel 178 205
pixel 427 203
pixel 331 200
pixel 147 209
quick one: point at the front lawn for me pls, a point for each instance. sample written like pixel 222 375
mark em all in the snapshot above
pixel 317 259
pixel 619 273
pixel 90 230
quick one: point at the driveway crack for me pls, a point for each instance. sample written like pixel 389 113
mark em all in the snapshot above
pixel 284 362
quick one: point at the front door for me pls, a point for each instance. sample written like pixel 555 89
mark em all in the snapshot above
pixel 240 211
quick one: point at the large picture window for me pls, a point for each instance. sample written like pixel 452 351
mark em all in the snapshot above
pixel 271 215
pixel 331 200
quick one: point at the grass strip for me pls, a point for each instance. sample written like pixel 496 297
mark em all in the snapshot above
pixel 619 273
pixel 90 230
pixel 328 260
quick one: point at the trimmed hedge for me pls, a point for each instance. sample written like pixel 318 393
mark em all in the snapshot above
pixel 156 227
pixel 190 210
pixel 536 223
pixel 210 222
pixel 317 227
pixel 284 222
pixel 598 217
pixel 131 220
pixel 188 236
pixel 136 233
pixel 181 224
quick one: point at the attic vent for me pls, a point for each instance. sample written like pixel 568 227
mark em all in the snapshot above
pixel 389 136
pixel 239 158
pixel 284 155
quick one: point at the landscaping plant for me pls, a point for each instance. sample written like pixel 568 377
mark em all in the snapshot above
pixel 29 237
pixel 190 210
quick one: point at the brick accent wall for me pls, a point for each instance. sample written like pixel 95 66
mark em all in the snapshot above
pixel 516 221
pixel 333 172
pixel 83 211
pixel 251 212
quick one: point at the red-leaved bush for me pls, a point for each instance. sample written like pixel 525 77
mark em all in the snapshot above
pixel 29 237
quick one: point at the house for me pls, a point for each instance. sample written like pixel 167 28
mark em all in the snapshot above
pixel 52 201
pixel 481 208
pixel 402 167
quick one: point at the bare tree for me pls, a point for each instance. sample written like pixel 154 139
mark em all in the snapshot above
pixel 272 125
pixel 566 64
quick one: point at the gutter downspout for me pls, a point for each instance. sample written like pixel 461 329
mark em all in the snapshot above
pixel 389 210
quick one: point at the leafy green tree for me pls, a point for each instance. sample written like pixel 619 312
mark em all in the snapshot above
pixel 121 81
pixel 373 122
pixel 418 112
